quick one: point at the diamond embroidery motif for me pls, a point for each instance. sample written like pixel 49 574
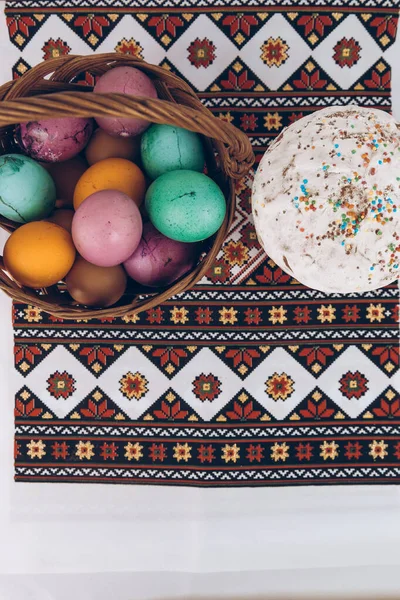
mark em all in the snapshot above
pixel 290 53
pixel 347 52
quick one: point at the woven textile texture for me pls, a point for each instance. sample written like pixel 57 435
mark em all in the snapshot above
pixel 250 378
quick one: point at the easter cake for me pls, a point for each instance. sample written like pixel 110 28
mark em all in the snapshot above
pixel 326 200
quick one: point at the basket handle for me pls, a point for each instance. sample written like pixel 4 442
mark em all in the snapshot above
pixel 234 144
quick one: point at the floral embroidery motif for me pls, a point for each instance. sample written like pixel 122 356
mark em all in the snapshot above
pixel 347 52
pixel 109 451
pixel 315 22
pixel 182 452
pixel 36 449
pixel 61 385
pixel 203 316
pixel 274 52
pixel 253 316
pixel 378 449
pixel 326 314
pixel 329 450
pixel 219 272
pixel 206 387
pixel 179 315
pixel 133 385
pixel 33 314
pixel 351 313
pixel 279 452
pixel 273 121
pixel 240 21
pixel 353 385
pixel 238 82
pixel 131 318
pixel 277 315
pixel 228 316
pixel 248 122
pixel 60 450
pixel 201 53
pixel 84 450
pixel 255 453
pixel 304 451
pixel 230 453
pixel 131 47
pixel 165 24
pixel 353 450
pixel 155 315
pixel 236 253
pixel 280 387
pixel 375 312
pixel 158 452
pixel 302 314
pixel 55 48
pixel 206 453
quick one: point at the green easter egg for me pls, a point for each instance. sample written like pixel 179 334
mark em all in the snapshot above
pixel 27 192
pixel 167 148
pixel 185 205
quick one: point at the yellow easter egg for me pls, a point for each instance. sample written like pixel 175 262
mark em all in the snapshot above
pixel 111 174
pixel 39 254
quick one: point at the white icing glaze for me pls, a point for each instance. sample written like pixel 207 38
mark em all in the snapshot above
pixel 338 163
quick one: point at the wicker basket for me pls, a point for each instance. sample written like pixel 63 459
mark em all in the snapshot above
pixel 38 96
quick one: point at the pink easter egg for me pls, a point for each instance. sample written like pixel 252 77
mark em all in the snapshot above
pixel 107 228
pixel 54 140
pixel 158 260
pixel 125 80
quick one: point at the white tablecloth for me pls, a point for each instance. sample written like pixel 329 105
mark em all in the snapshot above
pixel 117 542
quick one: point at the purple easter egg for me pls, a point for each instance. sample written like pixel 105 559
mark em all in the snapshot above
pixel 107 228
pixel 54 140
pixel 125 80
pixel 158 260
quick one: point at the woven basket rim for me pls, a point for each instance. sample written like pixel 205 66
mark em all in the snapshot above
pixel 42 92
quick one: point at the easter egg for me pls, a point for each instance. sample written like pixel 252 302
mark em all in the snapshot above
pixel 39 254
pixel 54 140
pixel 66 175
pixel 107 228
pixel 125 80
pixel 158 260
pixel 103 145
pixel 185 205
pixel 168 148
pixel 111 174
pixel 27 192
pixel 62 217
pixel 95 286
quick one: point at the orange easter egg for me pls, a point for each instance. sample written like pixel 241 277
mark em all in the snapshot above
pixel 111 174
pixel 39 254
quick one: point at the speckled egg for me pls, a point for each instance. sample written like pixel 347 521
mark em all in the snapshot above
pixel 158 260
pixel 169 148
pixel 27 192
pixel 107 228
pixel 39 254
pixel 185 205
pixel 125 80
pixel 54 140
